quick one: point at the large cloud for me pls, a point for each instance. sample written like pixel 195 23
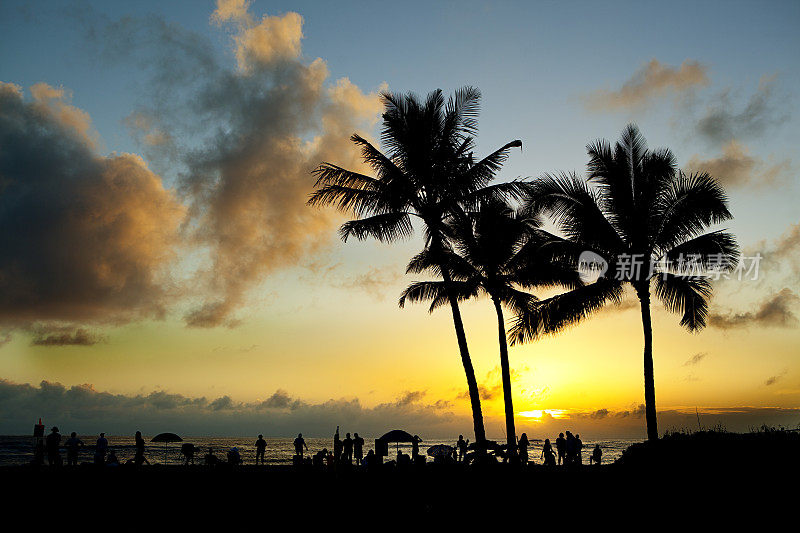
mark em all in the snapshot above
pixel 251 134
pixel 654 79
pixel 83 237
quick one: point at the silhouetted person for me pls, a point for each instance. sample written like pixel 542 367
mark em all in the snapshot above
pixel 578 450
pixel 233 456
pixel 318 461
pixel 547 453
pixel 73 445
pixel 415 447
pixel 523 448
pixel 261 447
pixel 112 459
pixel 462 447
pixel 371 460
pixel 347 449
pixel 52 445
pixel 597 455
pixel 100 449
pixel 300 442
pixel 561 448
pixel 358 448
pixel 187 450
pixel 210 459
pixel 337 446
pixel 572 449
pixel 139 457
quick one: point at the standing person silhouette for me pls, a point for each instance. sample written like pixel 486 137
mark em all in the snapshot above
pixel 547 453
pixel 299 443
pixel 337 446
pixel 261 447
pixel 73 445
pixel 561 448
pixel 597 455
pixel 52 444
pixel 572 449
pixel 100 449
pixel 358 448
pixel 578 450
pixel 523 448
pixel 139 457
pixel 347 447
pixel 415 447
pixel 462 447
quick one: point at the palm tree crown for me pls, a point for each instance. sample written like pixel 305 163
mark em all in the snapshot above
pixel 648 221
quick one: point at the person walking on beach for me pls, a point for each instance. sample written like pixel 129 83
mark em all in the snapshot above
pixel 100 449
pixel 347 447
pixel 578 450
pixel 547 453
pixel 462 447
pixel 561 448
pixel 358 448
pixel 261 447
pixel 299 443
pixel 597 455
pixel 73 445
pixel 523 449
pixel 52 444
pixel 139 457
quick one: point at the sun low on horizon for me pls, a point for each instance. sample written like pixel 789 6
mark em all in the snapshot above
pixel 160 264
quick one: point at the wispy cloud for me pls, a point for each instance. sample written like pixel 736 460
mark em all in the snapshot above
pixel 653 80
pixel 696 358
pixel 775 311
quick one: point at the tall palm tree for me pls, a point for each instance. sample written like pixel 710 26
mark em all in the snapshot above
pixel 648 222
pixel 427 173
pixel 493 254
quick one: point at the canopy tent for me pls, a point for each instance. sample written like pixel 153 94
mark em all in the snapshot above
pixel 394 436
pixel 166 438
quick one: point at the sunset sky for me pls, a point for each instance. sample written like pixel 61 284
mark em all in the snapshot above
pixel 159 266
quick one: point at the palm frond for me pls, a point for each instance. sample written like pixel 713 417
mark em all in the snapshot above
pixel 685 294
pixel 561 311
pixel 387 227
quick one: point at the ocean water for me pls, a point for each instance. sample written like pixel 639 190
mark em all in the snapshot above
pixel 17 450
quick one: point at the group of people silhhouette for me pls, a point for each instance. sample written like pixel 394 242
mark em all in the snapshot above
pixel 569 450
pixel 51 447
pixel 346 452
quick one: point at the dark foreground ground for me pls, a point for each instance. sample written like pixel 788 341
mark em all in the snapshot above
pixel 715 480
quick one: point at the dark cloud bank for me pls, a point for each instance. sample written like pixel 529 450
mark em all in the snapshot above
pixel 86 410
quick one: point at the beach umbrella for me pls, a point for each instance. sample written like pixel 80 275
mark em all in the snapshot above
pixel 166 438
pixel 440 449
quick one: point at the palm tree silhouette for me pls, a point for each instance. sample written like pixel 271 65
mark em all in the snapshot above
pixel 427 173
pixel 646 219
pixel 494 253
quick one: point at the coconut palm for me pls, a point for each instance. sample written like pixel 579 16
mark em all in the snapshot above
pixel 494 254
pixel 648 222
pixel 426 174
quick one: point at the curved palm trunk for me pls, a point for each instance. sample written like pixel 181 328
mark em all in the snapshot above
pixel 472 383
pixel 511 433
pixel 643 291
